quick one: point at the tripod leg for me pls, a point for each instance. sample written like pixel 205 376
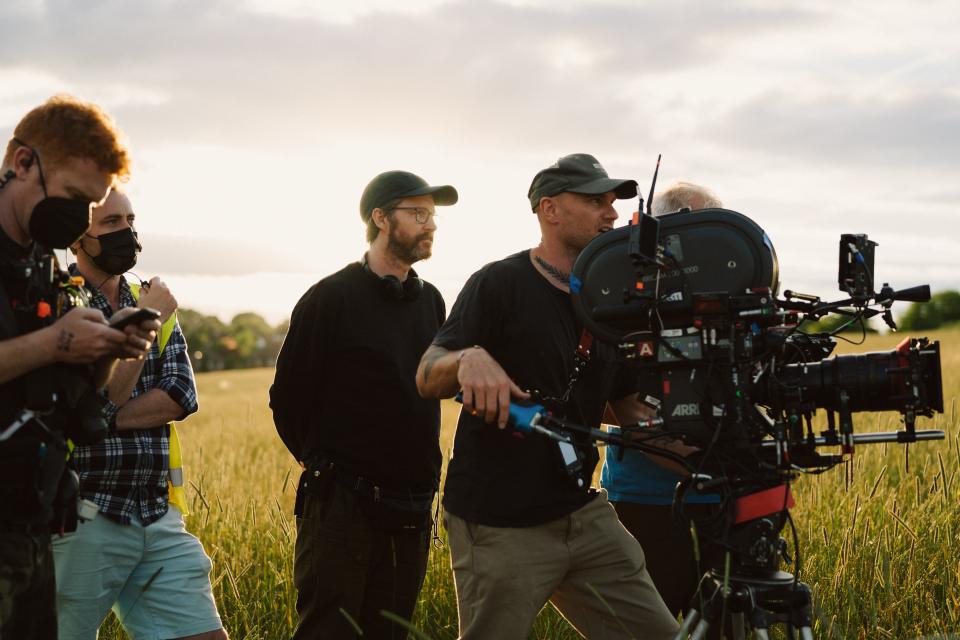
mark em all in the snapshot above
pixel 689 620
pixel 739 631
pixel 701 631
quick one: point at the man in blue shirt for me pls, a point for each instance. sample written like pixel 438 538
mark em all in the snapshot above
pixel 641 490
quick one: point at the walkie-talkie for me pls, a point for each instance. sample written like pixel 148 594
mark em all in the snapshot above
pixel 642 246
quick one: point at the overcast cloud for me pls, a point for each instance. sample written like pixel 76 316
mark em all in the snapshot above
pixel 487 73
pixel 256 124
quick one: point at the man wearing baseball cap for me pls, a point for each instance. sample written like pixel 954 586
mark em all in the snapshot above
pixel 524 527
pixel 345 404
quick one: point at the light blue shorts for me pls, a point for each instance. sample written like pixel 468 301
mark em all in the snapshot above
pixel 156 578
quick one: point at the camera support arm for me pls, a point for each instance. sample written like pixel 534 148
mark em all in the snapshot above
pixel 904 437
pixel 813 307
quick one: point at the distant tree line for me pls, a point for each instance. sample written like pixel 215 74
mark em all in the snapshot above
pixel 249 341
pixel 246 341
pixel 943 309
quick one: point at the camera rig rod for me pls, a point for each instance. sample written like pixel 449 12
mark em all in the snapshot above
pixel 831 440
pixel 814 307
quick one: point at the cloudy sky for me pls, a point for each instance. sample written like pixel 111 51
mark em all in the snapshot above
pixel 256 124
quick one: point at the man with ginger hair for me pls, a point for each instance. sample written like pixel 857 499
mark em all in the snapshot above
pixel 62 159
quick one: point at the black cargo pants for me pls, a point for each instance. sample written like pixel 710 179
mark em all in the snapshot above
pixel 28 595
pixel 346 572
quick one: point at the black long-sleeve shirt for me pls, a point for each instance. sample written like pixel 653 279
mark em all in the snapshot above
pixel 345 387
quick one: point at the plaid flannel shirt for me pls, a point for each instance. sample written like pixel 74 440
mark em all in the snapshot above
pixel 126 474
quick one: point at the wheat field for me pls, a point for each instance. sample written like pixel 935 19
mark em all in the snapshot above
pixel 879 541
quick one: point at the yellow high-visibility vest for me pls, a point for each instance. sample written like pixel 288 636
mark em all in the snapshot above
pixel 176 493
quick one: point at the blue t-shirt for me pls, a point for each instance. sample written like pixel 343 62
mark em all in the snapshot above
pixel 638 479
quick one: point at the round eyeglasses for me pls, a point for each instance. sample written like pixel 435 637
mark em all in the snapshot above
pixel 421 214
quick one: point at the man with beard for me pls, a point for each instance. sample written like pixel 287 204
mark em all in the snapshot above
pixel 346 405
pixel 127 475
pixel 524 526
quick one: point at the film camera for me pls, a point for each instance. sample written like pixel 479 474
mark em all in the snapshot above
pixel 693 298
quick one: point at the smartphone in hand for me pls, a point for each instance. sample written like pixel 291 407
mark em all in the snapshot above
pixel 136 317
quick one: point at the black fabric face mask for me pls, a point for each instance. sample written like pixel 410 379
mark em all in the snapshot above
pixel 118 251
pixel 55 222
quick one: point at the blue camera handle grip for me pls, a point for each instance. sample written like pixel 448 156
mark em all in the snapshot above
pixel 523 417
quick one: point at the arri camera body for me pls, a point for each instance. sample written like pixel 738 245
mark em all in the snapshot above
pixel 692 299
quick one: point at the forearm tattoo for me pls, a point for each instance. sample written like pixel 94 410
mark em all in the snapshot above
pixel 64 340
pixel 433 354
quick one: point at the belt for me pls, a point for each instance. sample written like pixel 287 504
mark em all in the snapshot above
pixel 406 499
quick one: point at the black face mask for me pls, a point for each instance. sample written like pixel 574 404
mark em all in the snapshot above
pixel 118 251
pixel 55 222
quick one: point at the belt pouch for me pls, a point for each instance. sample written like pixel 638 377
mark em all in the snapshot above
pixel 316 480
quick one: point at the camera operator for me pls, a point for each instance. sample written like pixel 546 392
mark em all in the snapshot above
pixel 127 474
pixel 63 158
pixel 345 404
pixel 522 528
pixel 641 488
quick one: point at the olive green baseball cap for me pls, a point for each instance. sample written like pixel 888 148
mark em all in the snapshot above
pixel 577 173
pixel 392 185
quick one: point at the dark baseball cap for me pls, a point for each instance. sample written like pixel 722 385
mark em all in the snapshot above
pixel 392 185
pixel 577 173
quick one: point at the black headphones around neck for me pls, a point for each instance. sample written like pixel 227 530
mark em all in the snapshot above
pixel 392 288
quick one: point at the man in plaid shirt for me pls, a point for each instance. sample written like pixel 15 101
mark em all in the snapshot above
pixel 136 556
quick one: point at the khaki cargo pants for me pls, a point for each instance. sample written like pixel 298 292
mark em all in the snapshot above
pixel 586 564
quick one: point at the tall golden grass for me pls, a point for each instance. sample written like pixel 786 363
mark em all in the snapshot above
pixel 880 550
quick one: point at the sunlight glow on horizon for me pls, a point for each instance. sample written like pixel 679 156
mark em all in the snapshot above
pixel 814 120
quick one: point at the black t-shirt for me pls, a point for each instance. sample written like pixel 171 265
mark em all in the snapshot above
pixel 346 388
pixel 13 289
pixel 496 477
pixel 32 460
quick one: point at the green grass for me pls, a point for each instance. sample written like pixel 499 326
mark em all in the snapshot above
pixel 879 550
